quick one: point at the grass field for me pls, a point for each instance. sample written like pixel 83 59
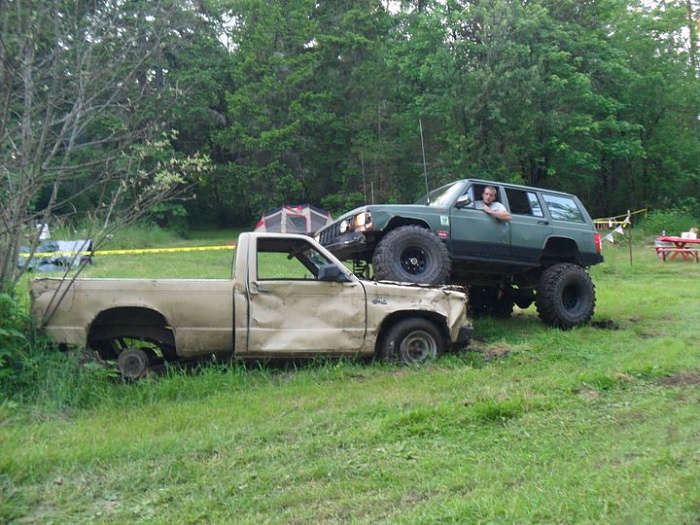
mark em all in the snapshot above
pixel 600 424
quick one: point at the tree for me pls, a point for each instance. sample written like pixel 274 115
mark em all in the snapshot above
pixel 76 79
pixel 269 104
pixel 664 98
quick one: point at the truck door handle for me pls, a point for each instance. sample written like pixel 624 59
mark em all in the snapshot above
pixel 263 289
pixel 543 222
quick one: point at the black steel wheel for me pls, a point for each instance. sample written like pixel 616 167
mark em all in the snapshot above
pixel 412 254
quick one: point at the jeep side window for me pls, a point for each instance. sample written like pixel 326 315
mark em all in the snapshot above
pixel 563 208
pixel 475 193
pixel 523 203
pixel 535 204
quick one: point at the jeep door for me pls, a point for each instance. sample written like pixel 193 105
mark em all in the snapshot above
pixel 475 235
pixel 295 310
pixel 529 228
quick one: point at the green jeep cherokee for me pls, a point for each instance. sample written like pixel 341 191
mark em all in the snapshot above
pixel 540 255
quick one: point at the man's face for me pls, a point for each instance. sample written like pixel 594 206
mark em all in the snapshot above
pixel 488 196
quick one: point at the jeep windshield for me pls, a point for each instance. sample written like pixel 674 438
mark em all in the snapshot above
pixel 442 197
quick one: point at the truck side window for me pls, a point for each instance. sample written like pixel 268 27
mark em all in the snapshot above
pixel 288 260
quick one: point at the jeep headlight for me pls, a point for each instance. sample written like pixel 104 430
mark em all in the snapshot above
pixel 360 222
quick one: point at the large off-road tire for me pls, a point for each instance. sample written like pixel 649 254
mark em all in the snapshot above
pixel 490 301
pixel 412 341
pixel 412 254
pixel 565 296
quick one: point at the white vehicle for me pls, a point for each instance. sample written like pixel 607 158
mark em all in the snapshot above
pixel 289 297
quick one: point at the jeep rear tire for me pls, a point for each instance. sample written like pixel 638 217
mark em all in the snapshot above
pixel 565 296
pixel 412 254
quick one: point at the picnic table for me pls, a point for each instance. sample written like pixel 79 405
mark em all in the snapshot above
pixel 687 249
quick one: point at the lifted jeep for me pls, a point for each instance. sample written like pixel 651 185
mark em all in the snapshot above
pixel 541 255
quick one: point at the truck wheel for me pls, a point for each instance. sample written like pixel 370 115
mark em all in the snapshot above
pixel 113 340
pixel 565 296
pixel 133 363
pixel 412 342
pixel 412 254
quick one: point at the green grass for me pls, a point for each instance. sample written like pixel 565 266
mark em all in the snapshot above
pixel 533 425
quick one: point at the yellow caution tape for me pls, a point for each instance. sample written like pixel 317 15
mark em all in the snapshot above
pixel 231 246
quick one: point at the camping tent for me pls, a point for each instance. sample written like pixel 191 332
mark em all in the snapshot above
pixel 302 218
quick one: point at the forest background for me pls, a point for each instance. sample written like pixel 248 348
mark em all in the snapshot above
pixel 207 113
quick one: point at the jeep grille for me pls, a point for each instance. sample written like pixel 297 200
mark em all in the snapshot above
pixel 330 234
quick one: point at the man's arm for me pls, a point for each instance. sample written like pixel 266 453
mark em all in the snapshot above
pixel 498 211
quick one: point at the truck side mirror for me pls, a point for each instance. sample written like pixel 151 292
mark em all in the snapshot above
pixel 463 201
pixel 331 273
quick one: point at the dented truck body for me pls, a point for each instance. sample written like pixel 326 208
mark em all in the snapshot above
pixel 288 297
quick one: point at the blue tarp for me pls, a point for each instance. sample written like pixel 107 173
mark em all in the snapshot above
pixel 68 254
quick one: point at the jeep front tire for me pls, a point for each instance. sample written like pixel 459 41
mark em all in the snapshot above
pixel 565 296
pixel 412 254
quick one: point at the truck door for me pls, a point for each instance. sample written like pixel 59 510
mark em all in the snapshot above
pixel 475 235
pixel 293 309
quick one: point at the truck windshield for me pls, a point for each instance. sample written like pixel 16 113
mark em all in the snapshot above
pixel 442 197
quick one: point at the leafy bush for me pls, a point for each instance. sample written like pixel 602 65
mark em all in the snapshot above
pixel 672 221
pixel 11 336
pixel 33 371
pixel 171 216
pixel 339 203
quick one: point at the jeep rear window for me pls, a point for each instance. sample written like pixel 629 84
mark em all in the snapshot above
pixel 563 208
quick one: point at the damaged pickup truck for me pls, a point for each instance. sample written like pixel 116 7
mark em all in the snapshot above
pixel 288 298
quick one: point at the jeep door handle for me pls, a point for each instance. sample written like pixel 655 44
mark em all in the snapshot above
pixel 545 223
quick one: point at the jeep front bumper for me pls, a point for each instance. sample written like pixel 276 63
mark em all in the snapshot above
pixel 344 246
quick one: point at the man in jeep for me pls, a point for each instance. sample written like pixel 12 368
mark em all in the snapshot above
pixel 491 206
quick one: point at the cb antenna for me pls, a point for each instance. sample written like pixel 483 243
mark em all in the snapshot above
pixel 422 147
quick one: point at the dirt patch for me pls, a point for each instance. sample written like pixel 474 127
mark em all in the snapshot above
pixel 490 352
pixel 681 379
pixel 496 352
pixel 605 324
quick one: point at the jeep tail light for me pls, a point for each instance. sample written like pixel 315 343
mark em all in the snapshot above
pixel 598 243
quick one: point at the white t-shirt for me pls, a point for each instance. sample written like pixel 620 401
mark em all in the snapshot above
pixel 495 206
